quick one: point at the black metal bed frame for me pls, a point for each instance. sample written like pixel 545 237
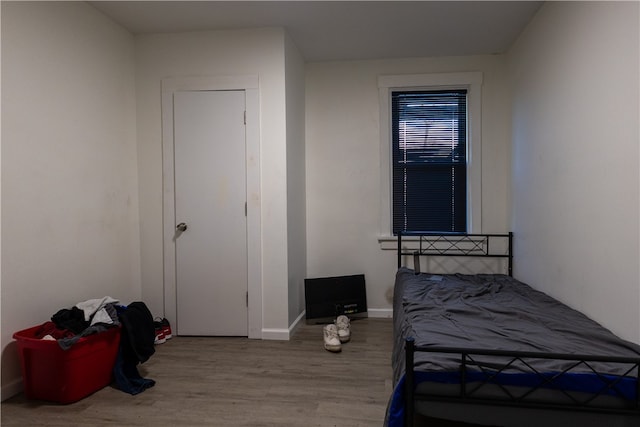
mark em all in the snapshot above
pixel 469 391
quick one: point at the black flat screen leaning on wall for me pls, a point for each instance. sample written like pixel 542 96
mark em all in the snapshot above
pixel 328 297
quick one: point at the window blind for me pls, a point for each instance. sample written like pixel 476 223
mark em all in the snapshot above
pixel 429 133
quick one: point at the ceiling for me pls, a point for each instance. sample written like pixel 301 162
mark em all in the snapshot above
pixel 344 30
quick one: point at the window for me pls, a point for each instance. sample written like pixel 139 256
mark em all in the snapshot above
pixel 429 167
pixel 470 205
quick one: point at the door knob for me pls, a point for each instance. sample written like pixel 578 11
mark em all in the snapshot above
pixel 182 227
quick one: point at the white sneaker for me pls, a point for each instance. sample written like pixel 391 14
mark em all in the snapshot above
pixel 331 340
pixel 344 328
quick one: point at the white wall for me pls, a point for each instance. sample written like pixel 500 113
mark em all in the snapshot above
pixel 69 180
pixel 296 196
pixel 218 53
pixel 344 171
pixel 575 159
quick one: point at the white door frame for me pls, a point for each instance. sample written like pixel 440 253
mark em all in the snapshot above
pixel 254 248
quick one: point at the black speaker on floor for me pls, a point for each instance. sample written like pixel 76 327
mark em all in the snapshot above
pixel 328 297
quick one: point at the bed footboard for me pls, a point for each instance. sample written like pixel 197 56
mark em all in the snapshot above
pixel 603 392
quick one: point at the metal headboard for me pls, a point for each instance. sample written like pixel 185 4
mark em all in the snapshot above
pixel 459 245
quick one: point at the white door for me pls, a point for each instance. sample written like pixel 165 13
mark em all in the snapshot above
pixel 210 205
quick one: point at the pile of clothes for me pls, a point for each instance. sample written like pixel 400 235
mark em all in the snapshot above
pixel 67 326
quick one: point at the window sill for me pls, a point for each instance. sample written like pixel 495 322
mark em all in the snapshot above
pixel 390 243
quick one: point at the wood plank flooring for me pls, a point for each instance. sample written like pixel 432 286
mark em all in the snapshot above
pixel 241 382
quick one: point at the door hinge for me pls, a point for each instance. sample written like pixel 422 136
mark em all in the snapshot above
pixel 247 294
pixel 245 117
pixel 245 208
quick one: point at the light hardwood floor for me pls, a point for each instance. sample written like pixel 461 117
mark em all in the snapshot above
pixel 241 382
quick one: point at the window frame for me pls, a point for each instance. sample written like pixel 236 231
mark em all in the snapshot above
pixel 472 82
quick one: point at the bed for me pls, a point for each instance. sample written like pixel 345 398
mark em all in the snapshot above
pixel 474 347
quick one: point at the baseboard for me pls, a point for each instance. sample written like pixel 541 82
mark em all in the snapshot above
pixel 296 323
pixel 11 389
pixel 280 333
pixel 286 334
pixel 383 313
pixel 275 334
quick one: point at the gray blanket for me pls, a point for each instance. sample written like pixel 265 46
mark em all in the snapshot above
pixel 491 312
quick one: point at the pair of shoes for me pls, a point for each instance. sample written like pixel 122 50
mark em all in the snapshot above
pixel 163 330
pixel 337 333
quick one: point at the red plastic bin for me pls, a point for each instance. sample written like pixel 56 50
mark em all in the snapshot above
pixel 66 376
